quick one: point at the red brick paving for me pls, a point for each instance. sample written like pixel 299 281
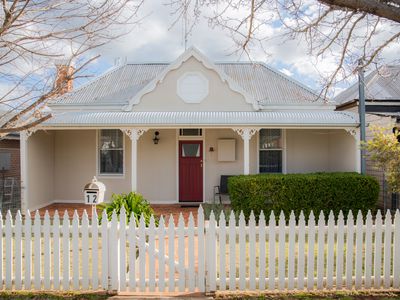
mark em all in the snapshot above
pixel 159 209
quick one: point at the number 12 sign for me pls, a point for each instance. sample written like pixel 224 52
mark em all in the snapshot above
pixel 92 197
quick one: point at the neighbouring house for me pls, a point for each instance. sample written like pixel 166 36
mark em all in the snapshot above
pixel 170 130
pixel 10 175
pixel 382 106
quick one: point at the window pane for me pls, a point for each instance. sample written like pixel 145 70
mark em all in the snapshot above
pixel 190 150
pixel 111 161
pixel 111 139
pixel 271 161
pixel 111 151
pixel 270 139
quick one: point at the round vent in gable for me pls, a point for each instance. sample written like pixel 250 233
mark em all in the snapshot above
pixel 192 87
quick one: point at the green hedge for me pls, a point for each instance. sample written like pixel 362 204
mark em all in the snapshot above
pixel 317 191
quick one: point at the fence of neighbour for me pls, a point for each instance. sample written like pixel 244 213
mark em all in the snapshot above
pixel 81 254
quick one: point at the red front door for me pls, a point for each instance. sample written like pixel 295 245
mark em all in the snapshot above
pixel 190 171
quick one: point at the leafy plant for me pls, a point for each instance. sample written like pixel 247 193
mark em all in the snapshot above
pixel 134 203
pixel 384 151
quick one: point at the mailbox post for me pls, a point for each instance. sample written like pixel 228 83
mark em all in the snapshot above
pixel 94 193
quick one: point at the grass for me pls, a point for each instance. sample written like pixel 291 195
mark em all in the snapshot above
pixel 55 295
pixel 339 295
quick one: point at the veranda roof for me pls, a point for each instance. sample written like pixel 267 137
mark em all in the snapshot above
pixel 205 119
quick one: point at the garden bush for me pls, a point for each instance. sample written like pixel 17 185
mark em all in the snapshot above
pixel 134 203
pixel 303 192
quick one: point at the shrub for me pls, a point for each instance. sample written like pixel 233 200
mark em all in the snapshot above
pixel 317 191
pixel 134 203
pixel 217 208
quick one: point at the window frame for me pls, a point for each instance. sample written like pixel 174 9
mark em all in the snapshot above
pixel 98 167
pixel 283 149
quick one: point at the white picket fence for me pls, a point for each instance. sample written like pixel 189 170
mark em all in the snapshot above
pixel 84 255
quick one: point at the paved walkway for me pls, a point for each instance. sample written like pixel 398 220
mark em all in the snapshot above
pixel 159 209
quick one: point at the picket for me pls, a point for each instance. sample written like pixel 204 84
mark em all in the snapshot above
pixel 142 254
pixel 396 251
pixel 317 256
pixel 387 250
pixel 330 251
pixel 211 257
pixel 85 250
pixel 46 250
pixel 191 255
pixel 181 253
pixel 262 255
pixel 339 250
pixel 56 251
pixel 151 255
pixel 132 251
pixel 272 255
pixel 281 251
pixel 242 252
pixel 28 250
pixel 291 253
pixel 252 253
pixel 161 254
pixel 95 250
pixel 368 251
pixel 349 250
pixel 311 254
pixel 232 252
pixel 9 256
pixel 222 252
pixel 171 253
pixel 18 251
pixel 378 251
pixel 300 255
pixel 37 245
pixel 75 251
pixel 359 250
pixel 122 250
pixel 321 251
pixel 66 247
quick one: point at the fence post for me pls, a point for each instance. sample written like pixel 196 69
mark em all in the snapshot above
pixel 201 247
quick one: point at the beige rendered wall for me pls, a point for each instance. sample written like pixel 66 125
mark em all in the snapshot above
pixel 157 166
pixel 320 150
pixel 75 165
pixel 214 169
pixel 40 149
pixel 220 97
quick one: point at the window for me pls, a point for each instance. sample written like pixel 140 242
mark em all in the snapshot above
pixel 111 152
pixel 271 151
pixel 190 132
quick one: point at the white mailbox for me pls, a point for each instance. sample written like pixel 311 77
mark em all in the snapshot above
pixel 94 192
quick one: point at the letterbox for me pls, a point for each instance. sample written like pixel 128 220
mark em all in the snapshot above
pixel 94 192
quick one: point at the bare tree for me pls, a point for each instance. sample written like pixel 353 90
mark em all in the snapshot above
pixel 36 35
pixel 348 31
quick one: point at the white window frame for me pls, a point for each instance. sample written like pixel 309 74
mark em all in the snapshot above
pixel 109 175
pixel 283 149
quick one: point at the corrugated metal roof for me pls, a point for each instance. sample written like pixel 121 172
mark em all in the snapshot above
pixel 261 118
pixel 382 84
pixel 118 86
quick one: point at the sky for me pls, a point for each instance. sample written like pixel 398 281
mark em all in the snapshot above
pixel 155 41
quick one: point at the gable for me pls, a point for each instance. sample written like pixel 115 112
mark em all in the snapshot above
pixel 193 86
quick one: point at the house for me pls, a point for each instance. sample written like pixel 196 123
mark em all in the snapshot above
pixel 170 130
pixel 382 106
pixel 10 176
